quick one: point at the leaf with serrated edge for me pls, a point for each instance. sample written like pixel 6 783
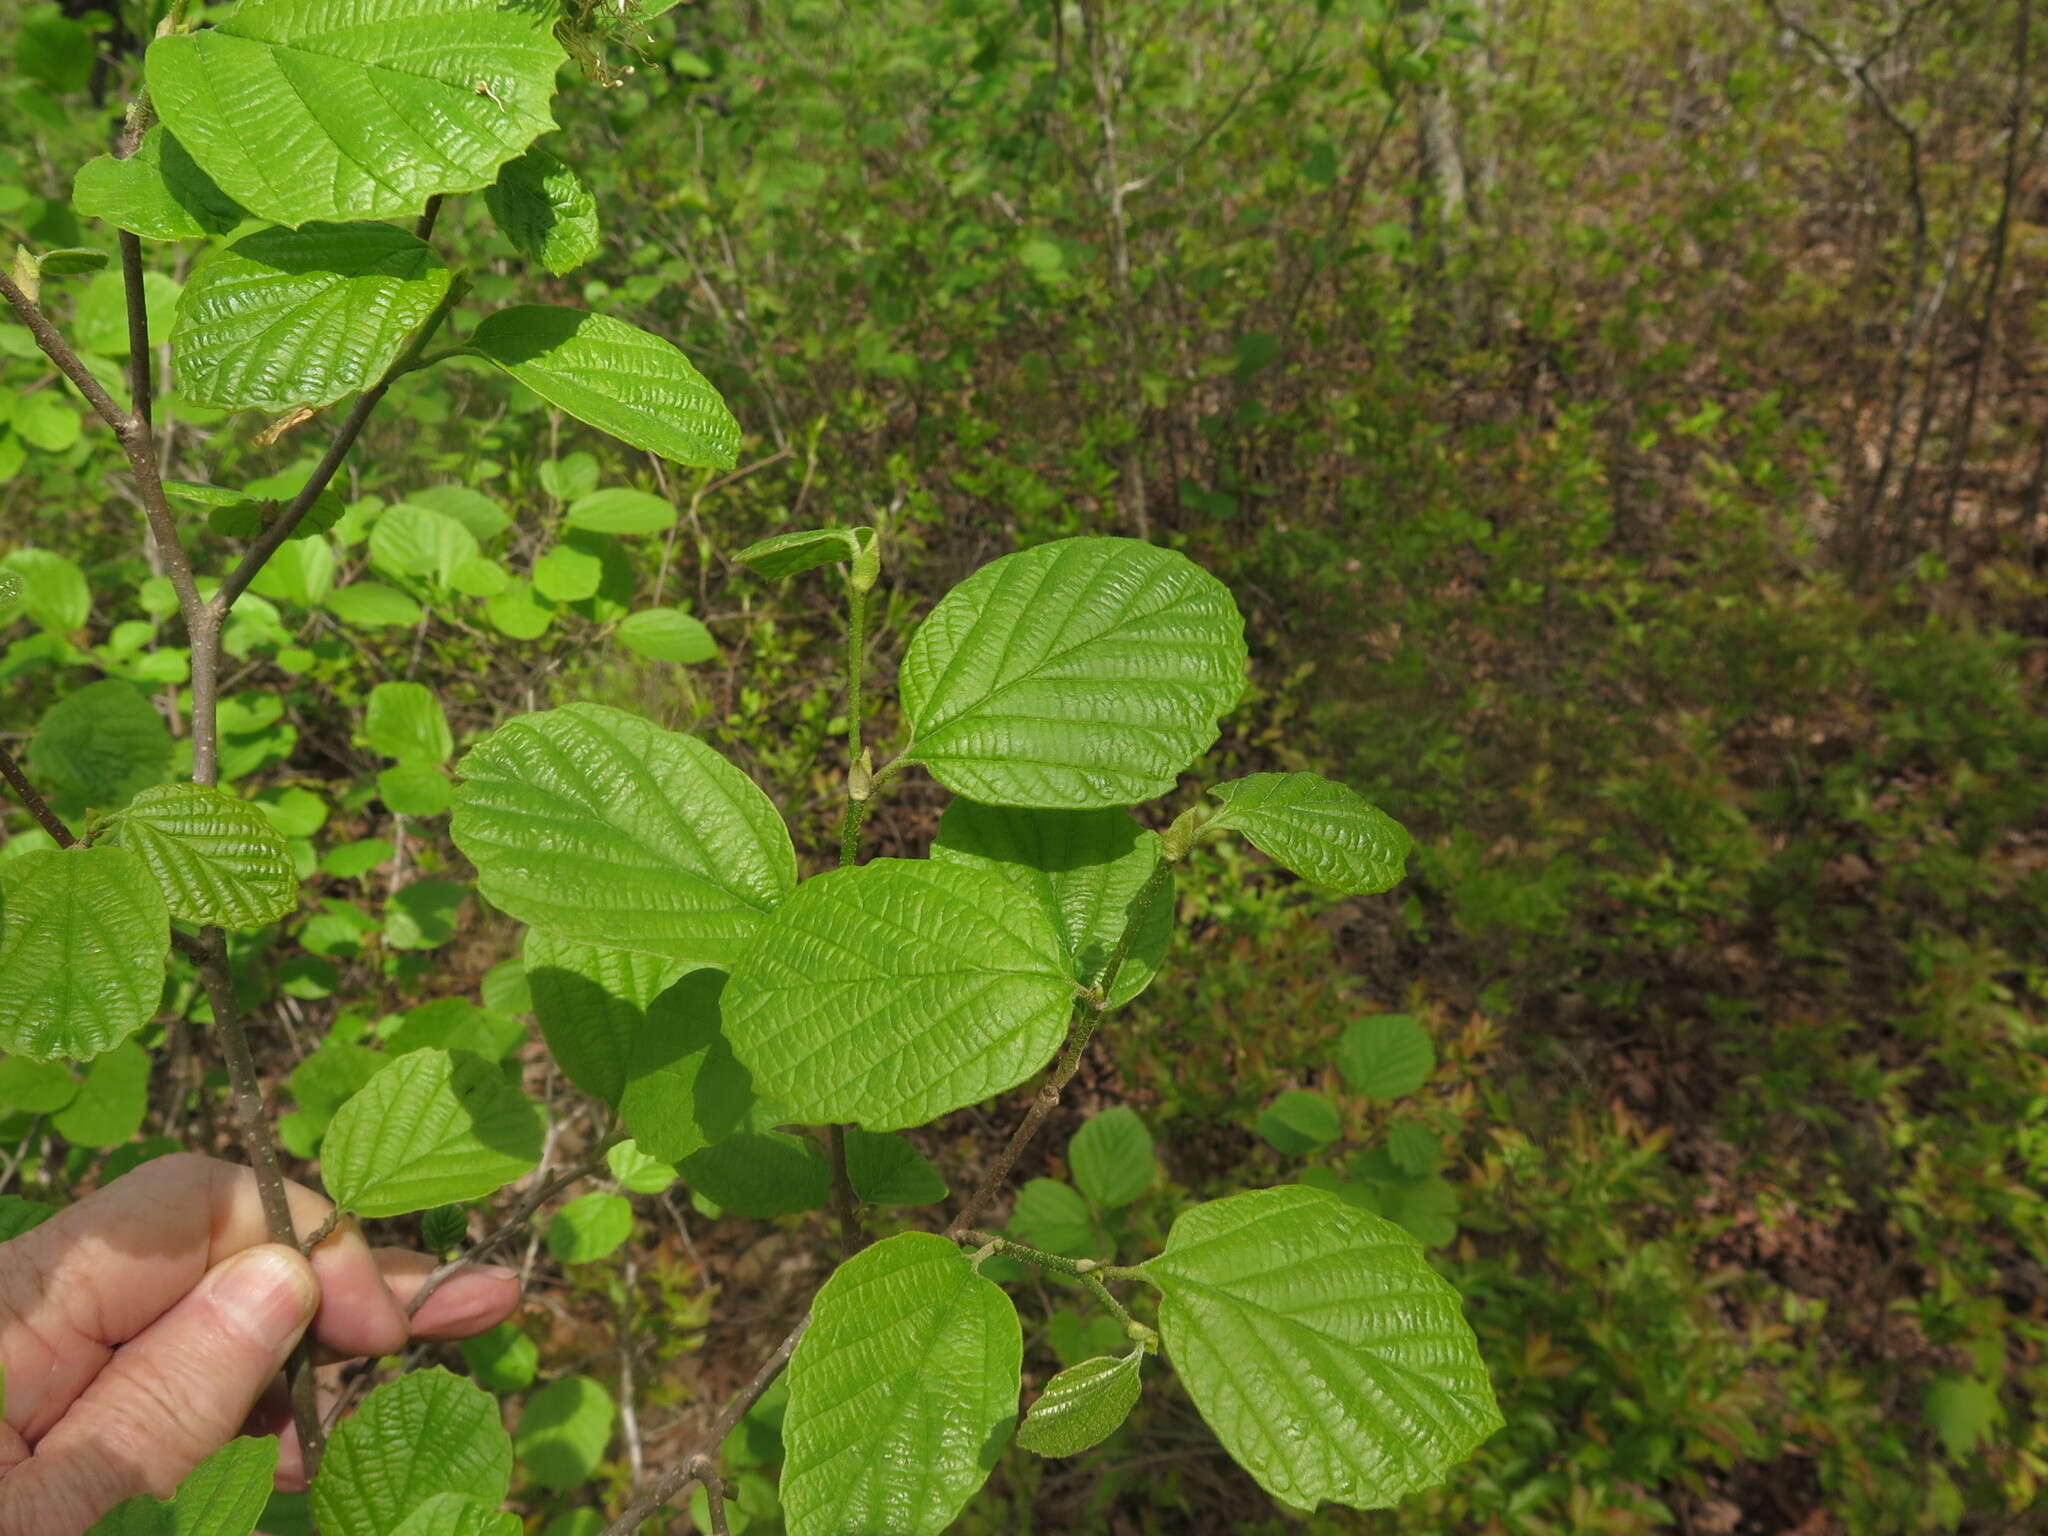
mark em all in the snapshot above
pixel 1326 833
pixel 1082 1406
pixel 288 318
pixel 223 1496
pixel 615 377
pixel 595 825
pixel 1328 1357
pixel 1085 868
pixel 216 856
pixel 429 1432
pixel 432 1128
pixel 858 1000
pixel 1081 673
pixel 158 192
pixel 591 1004
pixel 304 109
pixel 454 1514
pixel 901 1394
pixel 83 935
pixel 545 210
pixel 1111 1157
pixel 785 554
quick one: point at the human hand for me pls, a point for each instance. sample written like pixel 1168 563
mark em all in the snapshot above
pixel 140 1328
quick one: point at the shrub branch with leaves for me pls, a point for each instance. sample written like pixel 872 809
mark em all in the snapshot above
pixel 685 978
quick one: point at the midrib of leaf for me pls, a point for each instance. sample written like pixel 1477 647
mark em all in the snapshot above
pixel 1114 621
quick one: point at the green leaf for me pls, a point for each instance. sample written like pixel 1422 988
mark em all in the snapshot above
pixel 684 1090
pixel 98 746
pixel 591 1004
pixel 1300 1121
pixel 788 553
pixel 71 261
pixel 858 1001
pixel 901 1394
pixel 545 210
pixel 444 1228
pixel 1052 1216
pixel 112 1101
pixel 1327 834
pixel 589 1228
pixel 1111 1157
pixel 351 861
pixel 667 634
pixel 566 574
pixel 302 111
pixel 515 611
pixel 83 935
pixel 1414 1150
pixel 1386 1056
pixel 101 321
pixel 615 377
pixel 453 1514
pixel 760 1174
pixel 887 1170
pixel 159 192
pixel 427 1433
pixel 216 856
pixel 288 318
pixel 54 594
pixel 1330 1359
pixel 300 572
pixel 1082 1406
pixel 1081 673
pixel 34 1087
pixel 636 1171
pixel 223 1496
pixel 564 1429
pixel 415 789
pixel 503 1360
pixel 431 1128
pixel 456 1024
pixel 1961 1410
pixel 404 720
pixel 418 541
pixel 591 824
pixel 482 516
pixel 332 1075
pixel 370 605
pixel 422 915
pixel 18 1216
pixel 1085 868
pixel 619 510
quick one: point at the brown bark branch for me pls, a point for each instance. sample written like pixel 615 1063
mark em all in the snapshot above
pixel 37 806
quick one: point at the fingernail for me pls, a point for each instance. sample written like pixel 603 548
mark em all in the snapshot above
pixel 496 1272
pixel 267 1293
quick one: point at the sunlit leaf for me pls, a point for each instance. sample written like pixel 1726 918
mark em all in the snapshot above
pixel 429 1432
pixel 216 856
pixel 431 1128
pixel 1324 832
pixel 1082 1406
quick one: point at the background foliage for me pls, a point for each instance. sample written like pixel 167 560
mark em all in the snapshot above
pixel 1619 425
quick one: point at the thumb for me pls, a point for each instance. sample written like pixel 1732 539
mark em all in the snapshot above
pixel 171 1396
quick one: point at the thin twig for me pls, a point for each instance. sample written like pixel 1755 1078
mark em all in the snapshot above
pixel 701 1464
pixel 37 806
pixel 513 1225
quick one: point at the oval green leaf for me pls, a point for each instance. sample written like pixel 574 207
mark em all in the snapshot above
pixel 564 1429
pixel 1325 832
pixel 667 634
pixel 590 1227
pixel 1385 1056
pixel 858 1000
pixel 432 1128
pixel 545 210
pixel 303 110
pixel 901 1394
pixel 615 377
pixel 83 935
pixel 591 1004
pixel 1111 1157
pixel 595 825
pixel 884 1169
pixel 429 1432
pixel 1299 1121
pixel 159 192
pixel 760 1174
pixel 1330 1359
pixel 217 857
pixel 785 554
pixel 288 318
pixel 619 509
pixel 1082 1406
pixel 685 1090
pixel 98 745
pixel 405 721
pixel 1081 673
